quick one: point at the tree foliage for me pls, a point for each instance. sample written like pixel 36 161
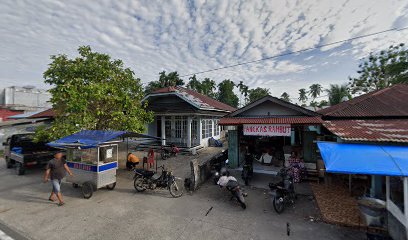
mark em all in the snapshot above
pixel 92 91
pixel 226 93
pixel 206 87
pixel 171 79
pixel 337 93
pixel 285 97
pixel 315 90
pixel 302 95
pixel 244 90
pixel 381 70
pixel 257 93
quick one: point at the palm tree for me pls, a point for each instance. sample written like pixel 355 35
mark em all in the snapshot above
pixel 244 90
pixel 315 90
pixel 285 97
pixel 208 87
pixel 338 93
pixel 302 95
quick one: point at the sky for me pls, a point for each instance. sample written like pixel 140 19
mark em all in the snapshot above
pixel 192 36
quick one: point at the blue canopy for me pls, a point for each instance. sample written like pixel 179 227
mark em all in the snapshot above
pixel 350 158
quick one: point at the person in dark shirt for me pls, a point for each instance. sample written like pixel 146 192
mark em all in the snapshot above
pixel 56 170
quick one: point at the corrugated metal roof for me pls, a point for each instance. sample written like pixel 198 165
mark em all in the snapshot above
pixel 197 98
pixel 393 130
pixel 271 120
pixel 388 102
pixel 49 113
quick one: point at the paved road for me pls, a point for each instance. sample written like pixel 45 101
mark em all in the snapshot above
pixel 125 214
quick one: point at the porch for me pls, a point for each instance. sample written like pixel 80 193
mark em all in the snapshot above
pixel 185 131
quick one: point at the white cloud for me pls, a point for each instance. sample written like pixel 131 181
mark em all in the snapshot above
pixel 192 36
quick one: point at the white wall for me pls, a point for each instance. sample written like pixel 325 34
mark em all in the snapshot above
pixel 27 97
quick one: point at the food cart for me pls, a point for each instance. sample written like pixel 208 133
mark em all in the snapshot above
pixel 92 156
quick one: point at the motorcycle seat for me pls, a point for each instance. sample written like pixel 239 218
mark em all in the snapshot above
pixel 145 173
pixel 155 176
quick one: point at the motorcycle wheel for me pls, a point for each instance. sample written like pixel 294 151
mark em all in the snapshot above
pixel 175 190
pixel 163 156
pixel 241 199
pixel 278 205
pixel 138 184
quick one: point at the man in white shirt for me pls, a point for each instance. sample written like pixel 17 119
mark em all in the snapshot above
pixel 223 181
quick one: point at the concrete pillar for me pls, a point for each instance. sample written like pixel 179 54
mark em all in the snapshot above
pixel 163 132
pixel 200 130
pixel 189 120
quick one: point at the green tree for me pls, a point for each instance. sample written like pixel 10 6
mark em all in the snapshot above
pixel 194 84
pixel 208 87
pixel 244 90
pixel 226 93
pixel 315 90
pixel 323 103
pixel 257 93
pixel 171 79
pixel 337 93
pixel 302 95
pixel 285 97
pixel 92 91
pixel 381 70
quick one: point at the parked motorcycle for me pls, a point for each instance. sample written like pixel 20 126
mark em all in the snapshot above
pixel 283 192
pixel 166 153
pixel 219 162
pixel 247 169
pixel 144 179
pixel 236 192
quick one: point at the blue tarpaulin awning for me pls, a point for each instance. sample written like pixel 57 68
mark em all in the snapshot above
pixel 92 138
pixel 350 158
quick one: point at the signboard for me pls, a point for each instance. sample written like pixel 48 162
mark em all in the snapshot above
pixel 109 153
pixel 267 130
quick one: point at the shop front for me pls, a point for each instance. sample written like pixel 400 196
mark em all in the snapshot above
pixel 271 130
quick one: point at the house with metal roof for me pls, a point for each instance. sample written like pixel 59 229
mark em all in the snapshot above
pixel 372 134
pixel 185 117
pixel 271 125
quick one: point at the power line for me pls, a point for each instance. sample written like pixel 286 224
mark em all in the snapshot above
pixel 295 52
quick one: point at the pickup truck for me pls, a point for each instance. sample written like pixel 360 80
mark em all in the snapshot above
pixel 22 152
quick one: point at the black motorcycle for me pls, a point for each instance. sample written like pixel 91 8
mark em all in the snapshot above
pixel 236 192
pixel 247 169
pixel 219 162
pixel 283 192
pixel 144 179
pixel 166 153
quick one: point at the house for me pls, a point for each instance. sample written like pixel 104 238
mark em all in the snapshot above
pixel 272 125
pixel 185 117
pixel 372 140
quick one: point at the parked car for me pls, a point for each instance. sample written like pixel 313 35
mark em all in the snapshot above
pixel 22 152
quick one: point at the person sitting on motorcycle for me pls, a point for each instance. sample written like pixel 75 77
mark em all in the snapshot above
pixel 225 178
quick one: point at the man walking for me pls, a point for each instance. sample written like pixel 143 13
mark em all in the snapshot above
pixel 56 170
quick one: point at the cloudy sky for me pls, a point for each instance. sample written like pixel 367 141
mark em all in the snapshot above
pixel 193 36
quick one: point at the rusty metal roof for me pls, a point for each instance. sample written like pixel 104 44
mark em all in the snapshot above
pixel 49 113
pixel 392 130
pixel 389 102
pixel 196 98
pixel 271 120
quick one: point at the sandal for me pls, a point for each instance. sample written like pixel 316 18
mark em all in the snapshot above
pixel 61 204
pixel 50 199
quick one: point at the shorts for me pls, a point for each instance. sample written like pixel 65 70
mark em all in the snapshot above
pixel 56 185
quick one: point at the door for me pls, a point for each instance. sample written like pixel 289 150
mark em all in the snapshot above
pixel 233 148
pixel 159 127
pixel 309 147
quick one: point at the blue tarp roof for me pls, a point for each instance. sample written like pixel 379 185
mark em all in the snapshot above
pixel 369 159
pixel 92 138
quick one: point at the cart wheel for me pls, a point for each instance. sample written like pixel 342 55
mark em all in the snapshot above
pixel 87 190
pixel 75 185
pixel 20 170
pixel 111 186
